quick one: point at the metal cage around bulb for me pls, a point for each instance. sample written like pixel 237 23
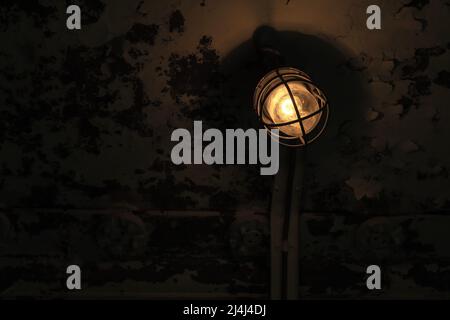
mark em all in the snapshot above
pixel 287 99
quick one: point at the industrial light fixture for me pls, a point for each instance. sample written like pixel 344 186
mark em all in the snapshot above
pixel 287 99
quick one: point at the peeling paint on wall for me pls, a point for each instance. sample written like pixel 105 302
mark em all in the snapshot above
pixel 86 123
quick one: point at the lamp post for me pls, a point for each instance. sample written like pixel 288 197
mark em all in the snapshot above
pixel 287 99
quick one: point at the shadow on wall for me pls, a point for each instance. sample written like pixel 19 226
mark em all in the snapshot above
pixel 328 66
pixel 222 93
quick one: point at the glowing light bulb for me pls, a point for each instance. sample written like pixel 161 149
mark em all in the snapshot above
pixel 287 108
pixel 281 109
pixel 286 99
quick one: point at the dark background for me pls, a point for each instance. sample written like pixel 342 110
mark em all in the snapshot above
pixel 85 170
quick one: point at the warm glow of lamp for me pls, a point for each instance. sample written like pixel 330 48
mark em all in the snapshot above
pixel 287 99
pixel 281 108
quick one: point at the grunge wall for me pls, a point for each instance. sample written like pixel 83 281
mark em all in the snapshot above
pixel 85 170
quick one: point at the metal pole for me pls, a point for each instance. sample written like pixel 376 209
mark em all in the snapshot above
pixel 284 221
pixel 277 213
pixel 294 225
